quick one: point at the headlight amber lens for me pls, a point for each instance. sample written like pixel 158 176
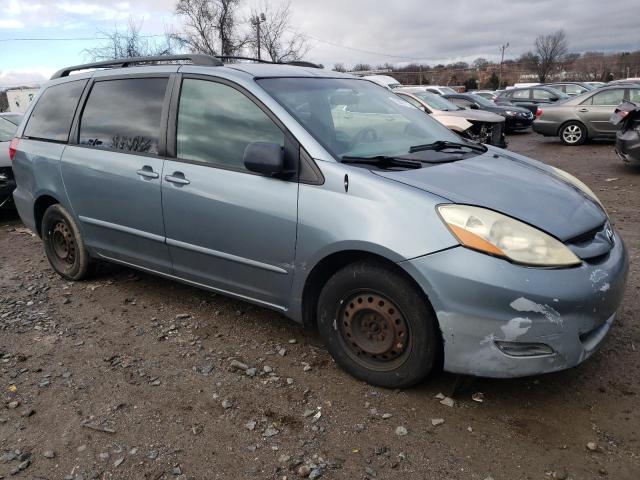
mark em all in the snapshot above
pixel 496 234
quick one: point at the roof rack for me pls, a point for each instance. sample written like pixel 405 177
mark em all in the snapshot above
pixel 196 59
pixel 296 63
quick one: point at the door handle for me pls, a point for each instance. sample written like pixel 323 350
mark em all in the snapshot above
pixel 583 110
pixel 147 172
pixel 177 178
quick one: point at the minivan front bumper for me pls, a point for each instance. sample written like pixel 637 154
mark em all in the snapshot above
pixel 499 319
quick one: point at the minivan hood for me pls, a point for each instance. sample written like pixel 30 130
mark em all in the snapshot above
pixel 514 185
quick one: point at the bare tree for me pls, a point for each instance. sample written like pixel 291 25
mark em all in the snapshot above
pixel 550 50
pixel 278 38
pixel 339 67
pixel 130 43
pixel 210 26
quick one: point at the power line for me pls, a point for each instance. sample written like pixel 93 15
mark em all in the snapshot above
pixel 370 52
pixel 66 39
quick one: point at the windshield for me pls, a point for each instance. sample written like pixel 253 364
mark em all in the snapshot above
pixel 7 130
pixel 483 101
pixel 352 117
pixel 436 101
pixel 447 90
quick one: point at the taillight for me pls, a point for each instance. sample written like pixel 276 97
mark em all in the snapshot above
pixel 538 112
pixel 13 147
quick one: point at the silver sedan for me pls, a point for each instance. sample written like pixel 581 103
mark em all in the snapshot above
pixel 585 116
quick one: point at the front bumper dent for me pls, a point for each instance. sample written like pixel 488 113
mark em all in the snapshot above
pixel 479 299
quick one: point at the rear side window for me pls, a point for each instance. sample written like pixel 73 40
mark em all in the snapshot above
pixel 124 115
pixel 216 122
pixel 52 116
pixel 7 129
pixel 521 94
pixel 606 98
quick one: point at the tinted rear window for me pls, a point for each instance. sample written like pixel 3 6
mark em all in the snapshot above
pixel 52 116
pixel 124 115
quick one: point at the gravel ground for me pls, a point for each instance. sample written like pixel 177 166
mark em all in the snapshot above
pixel 129 376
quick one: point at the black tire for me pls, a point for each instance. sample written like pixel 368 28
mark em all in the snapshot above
pixel 64 245
pixel 573 133
pixel 378 326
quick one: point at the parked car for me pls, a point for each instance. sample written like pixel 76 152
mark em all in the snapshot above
pixel 8 126
pixel 571 88
pixel 585 116
pixel 626 118
pixel 516 118
pixel 405 245
pixel 488 94
pixel 438 89
pixel 625 81
pixel 531 97
pixel 384 80
pixel 482 127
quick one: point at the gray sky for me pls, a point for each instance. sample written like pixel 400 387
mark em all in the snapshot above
pixel 401 31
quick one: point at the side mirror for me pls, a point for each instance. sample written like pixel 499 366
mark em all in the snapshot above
pixel 265 158
pixel 473 106
pixel 554 99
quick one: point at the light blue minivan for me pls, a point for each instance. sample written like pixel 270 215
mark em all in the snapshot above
pixel 327 198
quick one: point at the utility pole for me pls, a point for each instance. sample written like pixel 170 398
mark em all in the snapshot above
pixel 257 20
pixel 502 49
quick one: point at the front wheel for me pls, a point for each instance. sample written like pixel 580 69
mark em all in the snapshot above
pixel 63 244
pixel 377 325
pixel 573 133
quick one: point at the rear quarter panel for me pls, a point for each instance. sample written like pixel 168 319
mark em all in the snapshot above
pixel 36 167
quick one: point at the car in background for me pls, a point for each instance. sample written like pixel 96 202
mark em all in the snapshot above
pixel 438 89
pixel 482 127
pixel 384 80
pixel 571 88
pixel 516 118
pixel 596 84
pixel 625 81
pixel 626 118
pixel 585 116
pixel 488 94
pixel 8 125
pixel 531 97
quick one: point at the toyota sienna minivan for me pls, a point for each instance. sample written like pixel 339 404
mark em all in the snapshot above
pixel 406 246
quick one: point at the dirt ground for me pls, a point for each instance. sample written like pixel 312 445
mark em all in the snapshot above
pixel 129 376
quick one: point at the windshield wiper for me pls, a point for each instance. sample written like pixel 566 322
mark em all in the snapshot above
pixel 383 161
pixel 444 144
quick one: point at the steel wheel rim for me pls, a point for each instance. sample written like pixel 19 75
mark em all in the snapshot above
pixel 63 243
pixel 572 133
pixel 373 330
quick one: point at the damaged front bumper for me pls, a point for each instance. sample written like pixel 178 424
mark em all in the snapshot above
pixel 499 319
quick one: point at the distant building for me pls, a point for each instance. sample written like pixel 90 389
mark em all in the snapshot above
pixel 18 99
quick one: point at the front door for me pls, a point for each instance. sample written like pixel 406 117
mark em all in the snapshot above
pixel 112 175
pixel 228 228
pixel 598 108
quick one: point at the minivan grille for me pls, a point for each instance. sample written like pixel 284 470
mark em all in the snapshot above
pixel 593 243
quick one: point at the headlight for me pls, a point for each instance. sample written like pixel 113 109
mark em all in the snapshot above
pixel 496 234
pixel 511 112
pixel 578 184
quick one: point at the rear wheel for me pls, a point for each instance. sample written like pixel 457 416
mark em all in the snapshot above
pixel 377 325
pixel 63 244
pixel 573 133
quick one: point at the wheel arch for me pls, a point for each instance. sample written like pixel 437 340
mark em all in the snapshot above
pixel 41 204
pixel 330 264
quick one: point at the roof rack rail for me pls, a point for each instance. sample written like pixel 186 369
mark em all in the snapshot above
pixel 196 59
pixel 297 63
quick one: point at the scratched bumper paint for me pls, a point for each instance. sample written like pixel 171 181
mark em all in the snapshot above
pixel 479 299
